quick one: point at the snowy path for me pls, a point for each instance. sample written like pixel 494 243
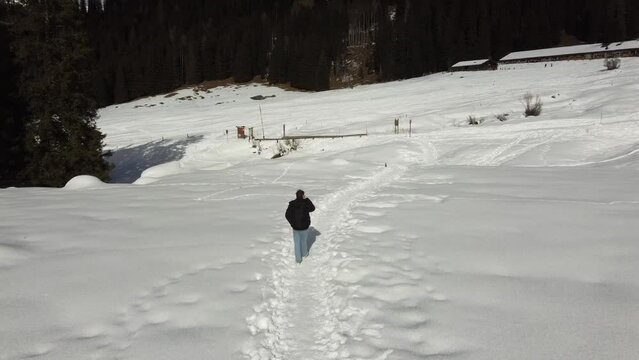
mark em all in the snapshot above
pixel 302 316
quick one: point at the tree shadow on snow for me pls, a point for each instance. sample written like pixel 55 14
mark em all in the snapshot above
pixel 313 233
pixel 130 162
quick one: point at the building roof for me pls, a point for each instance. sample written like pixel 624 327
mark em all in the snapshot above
pixel 471 63
pixel 572 50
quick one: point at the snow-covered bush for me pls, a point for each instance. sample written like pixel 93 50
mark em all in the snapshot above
pixel 532 104
pixel 285 147
pixel 280 150
pixel 292 144
pixel 502 117
pixel 612 63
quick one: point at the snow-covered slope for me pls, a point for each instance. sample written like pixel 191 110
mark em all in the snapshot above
pixel 506 240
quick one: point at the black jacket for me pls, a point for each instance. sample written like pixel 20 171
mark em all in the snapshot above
pixel 297 213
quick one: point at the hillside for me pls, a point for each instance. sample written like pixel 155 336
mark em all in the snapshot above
pixel 505 240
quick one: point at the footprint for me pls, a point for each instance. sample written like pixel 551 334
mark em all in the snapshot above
pixel 91 332
pixel 374 333
pixel 370 213
pixel 237 288
pixel 141 305
pixel 157 318
pixel 363 351
pixel 39 350
pixel 370 229
pixel 258 322
pixel 379 205
pixel 160 292
pixel 11 255
pixel 189 299
pixel 438 297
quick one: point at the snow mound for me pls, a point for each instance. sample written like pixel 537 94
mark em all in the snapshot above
pixel 154 173
pixel 83 182
pixel 340 162
pixel 9 256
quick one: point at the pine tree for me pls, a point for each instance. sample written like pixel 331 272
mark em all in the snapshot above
pixel 13 110
pixel 242 62
pixel 278 66
pixel 52 49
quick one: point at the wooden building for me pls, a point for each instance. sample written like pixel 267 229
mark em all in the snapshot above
pixel 577 52
pixel 474 65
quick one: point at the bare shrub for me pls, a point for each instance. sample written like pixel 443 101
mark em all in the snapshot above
pixel 532 104
pixel 612 63
pixel 472 120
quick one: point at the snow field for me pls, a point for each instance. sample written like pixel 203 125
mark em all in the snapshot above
pixel 505 267
pixel 513 240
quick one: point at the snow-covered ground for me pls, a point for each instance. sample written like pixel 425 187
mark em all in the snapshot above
pixel 506 240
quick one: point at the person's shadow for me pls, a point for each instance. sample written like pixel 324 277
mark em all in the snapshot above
pixel 313 233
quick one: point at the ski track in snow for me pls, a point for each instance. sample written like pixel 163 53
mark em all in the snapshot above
pixel 283 173
pixel 301 316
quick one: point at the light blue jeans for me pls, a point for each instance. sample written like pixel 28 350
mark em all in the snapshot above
pixel 300 237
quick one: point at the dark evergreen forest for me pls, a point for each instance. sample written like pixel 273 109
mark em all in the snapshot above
pixel 150 46
pixel 48 128
pixel 60 59
pixel 12 111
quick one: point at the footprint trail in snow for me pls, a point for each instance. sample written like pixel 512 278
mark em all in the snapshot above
pixel 306 313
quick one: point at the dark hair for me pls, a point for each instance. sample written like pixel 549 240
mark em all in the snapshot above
pixel 299 194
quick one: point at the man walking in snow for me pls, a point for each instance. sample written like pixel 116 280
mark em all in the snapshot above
pixel 298 216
